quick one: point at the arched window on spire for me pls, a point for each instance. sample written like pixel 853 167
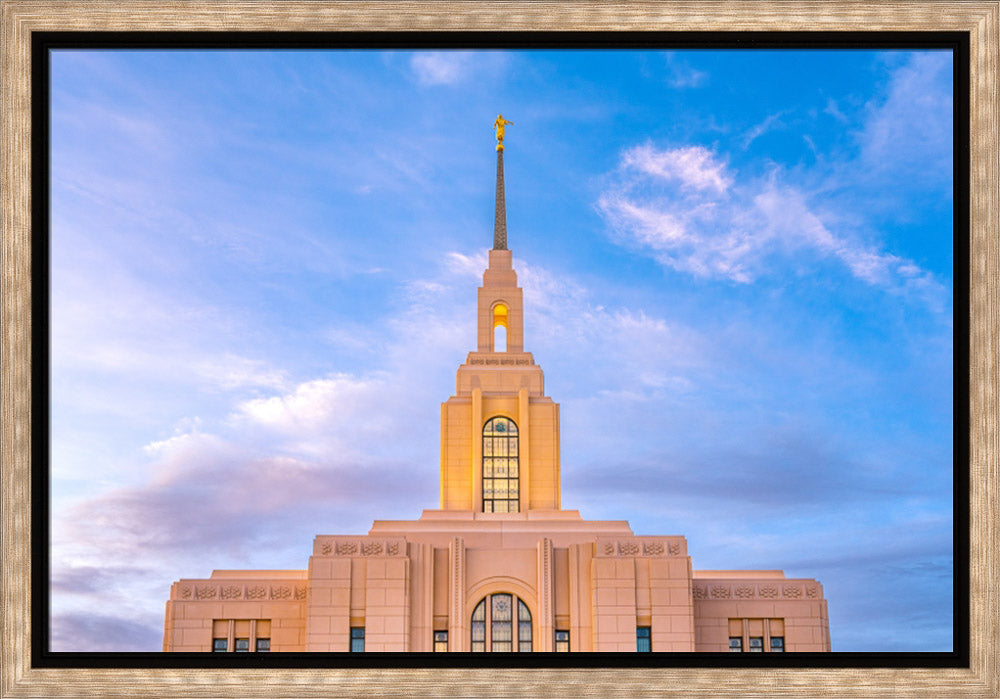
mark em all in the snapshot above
pixel 501 491
pixel 500 328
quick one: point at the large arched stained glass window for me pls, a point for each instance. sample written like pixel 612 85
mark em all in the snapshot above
pixel 495 628
pixel 500 467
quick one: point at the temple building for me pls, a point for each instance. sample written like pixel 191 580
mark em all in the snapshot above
pixel 501 566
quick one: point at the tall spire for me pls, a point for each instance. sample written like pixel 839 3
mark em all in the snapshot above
pixel 500 215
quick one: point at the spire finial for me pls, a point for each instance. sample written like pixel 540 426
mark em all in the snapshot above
pixel 498 124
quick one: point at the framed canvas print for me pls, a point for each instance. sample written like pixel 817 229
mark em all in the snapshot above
pixel 399 347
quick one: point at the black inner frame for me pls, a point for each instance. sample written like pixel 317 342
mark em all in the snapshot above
pixel 44 42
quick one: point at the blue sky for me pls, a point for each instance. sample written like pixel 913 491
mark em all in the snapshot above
pixel 737 269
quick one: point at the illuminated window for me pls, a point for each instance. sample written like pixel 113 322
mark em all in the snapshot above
pixel 500 466
pixel 499 328
pixel 357 639
pixel 562 641
pixel 777 644
pixel 735 644
pixel 220 645
pixel 440 641
pixel 642 639
pixel 242 645
pixel 479 628
pixel 263 645
pixel 493 619
pixel 523 628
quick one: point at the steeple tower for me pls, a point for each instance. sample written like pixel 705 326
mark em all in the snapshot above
pixel 500 391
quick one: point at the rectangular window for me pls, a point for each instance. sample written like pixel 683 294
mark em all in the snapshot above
pixel 642 639
pixel 440 641
pixel 263 645
pixel 777 644
pixel 242 645
pixel 756 644
pixel 562 641
pixel 357 639
pixel 735 644
pixel 220 645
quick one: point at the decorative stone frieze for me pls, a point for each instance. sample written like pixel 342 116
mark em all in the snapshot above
pixel 206 592
pixel 503 361
pixel 638 546
pixel 721 591
pixel 244 590
pixel 749 591
pixel 793 591
pixel 364 546
pixel 628 548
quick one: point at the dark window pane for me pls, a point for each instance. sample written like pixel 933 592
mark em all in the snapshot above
pixel 242 645
pixel 440 641
pixel 642 639
pixel 357 639
pixel 756 644
pixel 735 644
pixel 220 645
pixel 777 644
pixel 263 645
pixel 562 641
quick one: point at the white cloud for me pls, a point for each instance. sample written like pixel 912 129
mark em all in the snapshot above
pixel 441 67
pixel 684 207
pixel 323 414
pixel 694 166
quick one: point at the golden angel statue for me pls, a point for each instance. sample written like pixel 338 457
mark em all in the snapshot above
pixel 498 124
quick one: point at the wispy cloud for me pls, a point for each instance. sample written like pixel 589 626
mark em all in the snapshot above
pixel 771 122
pixel 833 110
pixel 910 128
pixel 680 74
pixel 442 67
pixel 688 209
pixel 92 631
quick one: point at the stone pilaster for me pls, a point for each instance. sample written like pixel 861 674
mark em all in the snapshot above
pixel 457 623
pixel 546 603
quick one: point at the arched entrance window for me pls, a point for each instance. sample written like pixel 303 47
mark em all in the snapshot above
pixel 500 468
pixel 494 625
